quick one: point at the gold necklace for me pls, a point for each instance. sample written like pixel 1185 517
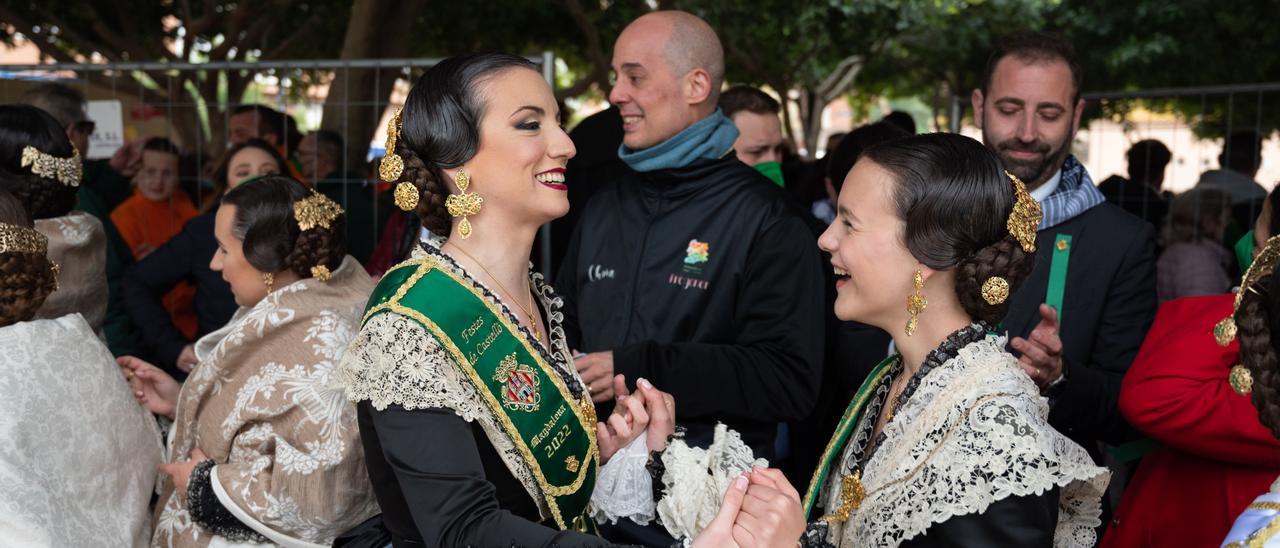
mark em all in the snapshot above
pixel 528 312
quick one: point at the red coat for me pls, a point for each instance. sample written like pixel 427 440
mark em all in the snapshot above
pixel 1216 455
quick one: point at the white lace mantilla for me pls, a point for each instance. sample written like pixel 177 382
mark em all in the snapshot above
pixel 974 432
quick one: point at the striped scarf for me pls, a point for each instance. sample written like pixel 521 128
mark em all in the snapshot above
pixel 1075 194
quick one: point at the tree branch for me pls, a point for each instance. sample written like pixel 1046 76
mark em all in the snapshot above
pixel 302 32
pixel 840 78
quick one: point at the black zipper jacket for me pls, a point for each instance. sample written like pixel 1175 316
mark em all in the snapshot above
pixel 704 281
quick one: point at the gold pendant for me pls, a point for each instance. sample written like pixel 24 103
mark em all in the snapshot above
pixel 1241 380
pixel 464 228
pixel 852 492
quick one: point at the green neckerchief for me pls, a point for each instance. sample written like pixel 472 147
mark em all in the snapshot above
pixel 554 432
pixel 835 447
pixel 772 170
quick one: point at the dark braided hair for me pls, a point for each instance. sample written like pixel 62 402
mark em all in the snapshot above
pixel 273 242
pixel 440 127
pixel 22 126
pixel 955 200
pixel 1256 319
pixel 26 279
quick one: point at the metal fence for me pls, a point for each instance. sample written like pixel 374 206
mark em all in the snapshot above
pixel 192 105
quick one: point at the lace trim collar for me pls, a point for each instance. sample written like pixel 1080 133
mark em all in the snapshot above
pixel 946 351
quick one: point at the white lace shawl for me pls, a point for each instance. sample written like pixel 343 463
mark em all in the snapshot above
pixel 396 361
pixel 974 432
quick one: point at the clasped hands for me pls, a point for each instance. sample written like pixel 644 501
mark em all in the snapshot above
pixel 760 508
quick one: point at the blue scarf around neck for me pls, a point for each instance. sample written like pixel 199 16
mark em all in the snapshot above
pixel 709 138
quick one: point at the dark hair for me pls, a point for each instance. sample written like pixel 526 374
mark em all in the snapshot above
pixel 22 126
pixel 162 144
pixel 955 199
pixel 440 127
pixel 26 279
pixel 840 161
pixel 1034 47
pixel 273 122
pixel 65 103
pixel 739 98
pixel 903 120
pixel 1147 160
pixel 1198 214
pixel 330 142
pixel 1241 151
pixel 273 242
pixel 1256 319
pixel 224 168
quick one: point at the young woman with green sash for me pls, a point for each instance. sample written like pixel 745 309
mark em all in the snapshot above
pixel 947 442
pixel 477 429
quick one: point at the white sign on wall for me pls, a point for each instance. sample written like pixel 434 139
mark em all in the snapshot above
pixel 108 135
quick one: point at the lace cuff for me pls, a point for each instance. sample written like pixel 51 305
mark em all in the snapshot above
pixel 695 480
pixel 624 488
pixel 815 536
pixel 209 513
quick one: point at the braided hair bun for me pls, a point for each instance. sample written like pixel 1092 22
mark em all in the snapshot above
pixel 273 241
pixel 26 279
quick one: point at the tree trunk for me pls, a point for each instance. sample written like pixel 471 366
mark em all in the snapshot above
pixel 378 29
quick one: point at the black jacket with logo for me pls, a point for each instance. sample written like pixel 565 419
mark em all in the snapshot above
pixel 704 281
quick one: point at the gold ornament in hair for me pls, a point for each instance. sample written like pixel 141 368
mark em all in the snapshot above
pixel 1262 266
pixel 392 165
pixel 1025 217
pixel 463 204
pixel 406 196
pixel 315 210
pixel 321 272
pixel 995 290
pixel 65 170
pixel 20 239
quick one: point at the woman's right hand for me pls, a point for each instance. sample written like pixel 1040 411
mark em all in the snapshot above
pixel 648 411
pixel 721 530
pixel 771 513
pixel 151 386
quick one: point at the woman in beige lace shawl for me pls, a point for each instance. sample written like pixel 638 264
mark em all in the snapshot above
pixel 263 450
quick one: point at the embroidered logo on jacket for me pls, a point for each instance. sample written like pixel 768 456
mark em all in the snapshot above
pixel 520 385
pixel 697 252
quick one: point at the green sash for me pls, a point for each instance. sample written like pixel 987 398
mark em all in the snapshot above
pixel 554 432
pixel 835 447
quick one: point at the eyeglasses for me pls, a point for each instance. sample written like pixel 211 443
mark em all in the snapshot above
pixel 85 126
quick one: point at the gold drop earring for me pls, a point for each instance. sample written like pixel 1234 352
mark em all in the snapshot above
pixel 916 303
pixel 463 204
pixel 269 279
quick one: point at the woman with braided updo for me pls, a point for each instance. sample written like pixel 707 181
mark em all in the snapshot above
pixel 79 457
pixel 477 428
pixel 1256 321
pixel 946 443
pixel 263 450
pixel 1186 390
pixel 42 168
